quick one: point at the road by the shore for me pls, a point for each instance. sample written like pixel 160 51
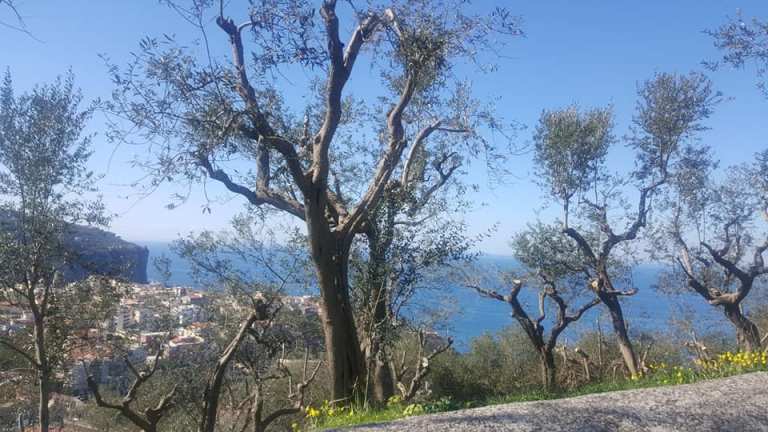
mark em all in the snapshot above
pixel 737 403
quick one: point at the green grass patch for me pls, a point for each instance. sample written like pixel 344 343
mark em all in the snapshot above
pixel 724 365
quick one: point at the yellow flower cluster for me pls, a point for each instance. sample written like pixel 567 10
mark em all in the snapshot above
pixel 325 414
pixel 742 360
pixel 413 409
pixel 724 364
pixel 673 375
pixel 327 410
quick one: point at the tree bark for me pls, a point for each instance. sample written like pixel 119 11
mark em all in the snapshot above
pixel 548 370
pixel 379 281
pixel 747 333
pixel 212 391
pixel 611 301
pixel 604 288
pixel 383 386
pixel 43 376
pixel 383 381
pixel 342 347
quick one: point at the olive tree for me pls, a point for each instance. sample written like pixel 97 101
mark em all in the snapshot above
pixel 228 121
pixel 44 190
pixel 570 154
pixel 555 269
pixel 744 42
pixel 715 237
pixel 258 347
pixel 414 232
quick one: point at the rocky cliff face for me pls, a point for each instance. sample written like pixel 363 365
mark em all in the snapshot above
pixel 96 251
pixel 102 252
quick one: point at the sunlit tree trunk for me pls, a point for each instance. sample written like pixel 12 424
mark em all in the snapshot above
pixel 611 301
pixel 747 333
pixel 548 370
pixel 330 255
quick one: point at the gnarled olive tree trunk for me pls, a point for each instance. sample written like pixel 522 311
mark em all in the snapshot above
pixel 330 256
pixel 747 333
pixel 606 292
pixel 375 315
pixel 613 305
pixel 548 377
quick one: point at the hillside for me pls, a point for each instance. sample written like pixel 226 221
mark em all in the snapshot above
pixel 98 251
pixel 103 251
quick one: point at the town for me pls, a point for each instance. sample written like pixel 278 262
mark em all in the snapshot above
pixel 150 320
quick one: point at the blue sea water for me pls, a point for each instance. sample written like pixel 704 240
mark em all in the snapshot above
pixel 471 315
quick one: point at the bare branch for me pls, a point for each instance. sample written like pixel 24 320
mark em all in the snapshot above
pixel 297 394
pixel 147 421
pixel 215 380
pixel 20 352
pixel 388 162
pixel 726 263
pixel 577 316
pixel 257 197
pixel 422 366
pixel 627 293
pixel 643 207
pixel 341 66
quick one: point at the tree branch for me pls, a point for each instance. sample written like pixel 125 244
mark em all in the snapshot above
pixel 152 415
pixel 213 387
pixel 388 162
pixel 758 264
pixel 256 197
pixel 20 352
pixel 582 310
pixel 341 66
pixel 586 249
pixel 422 367
pixel 727 264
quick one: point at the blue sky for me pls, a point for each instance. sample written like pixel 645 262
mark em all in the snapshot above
pixel 588 52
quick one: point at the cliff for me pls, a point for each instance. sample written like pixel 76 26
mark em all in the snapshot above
pixel 96 251
pixel 105 253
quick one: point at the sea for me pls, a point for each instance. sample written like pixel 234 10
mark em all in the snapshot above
pixel 461 313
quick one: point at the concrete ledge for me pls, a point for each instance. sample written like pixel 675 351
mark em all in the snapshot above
pixel 738 403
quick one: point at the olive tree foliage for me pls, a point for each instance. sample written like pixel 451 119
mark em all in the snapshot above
pixel 44 191
pixel 715 236
pixel 248 257
pixel 570 150
pixel 394 297
pixel 412 235
pixel 555 269
pixel 744 43
pixel 325 160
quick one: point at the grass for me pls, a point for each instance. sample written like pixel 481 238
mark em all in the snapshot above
pixel 724 365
